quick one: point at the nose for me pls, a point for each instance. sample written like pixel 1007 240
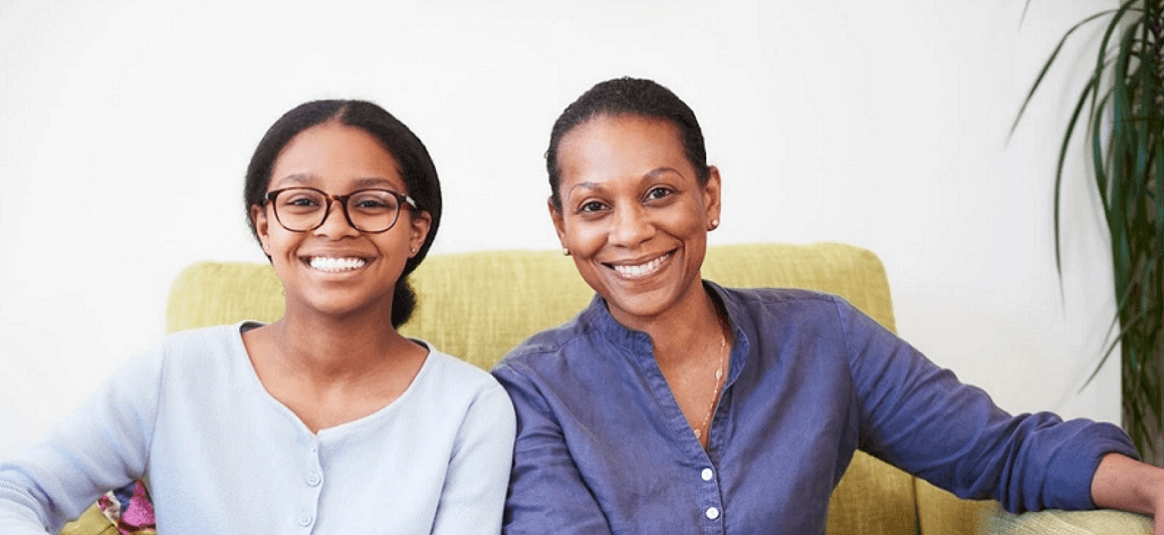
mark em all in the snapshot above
pixel 335 223
pixel 632 226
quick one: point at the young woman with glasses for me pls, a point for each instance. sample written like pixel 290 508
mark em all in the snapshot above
pixel 325 421
pixel 674 405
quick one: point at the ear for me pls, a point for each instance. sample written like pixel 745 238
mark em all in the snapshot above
pixel 262 226
pixel 420 223
pixel 559 221
pixel 711 197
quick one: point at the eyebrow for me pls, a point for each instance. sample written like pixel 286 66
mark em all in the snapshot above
pixel 584 185
pixel 369 182
pixel 297 178
pixel 652 174
pixel 660 171
pixel 360 183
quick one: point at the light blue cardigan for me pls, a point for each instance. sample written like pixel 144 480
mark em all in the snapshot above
pixel 223 456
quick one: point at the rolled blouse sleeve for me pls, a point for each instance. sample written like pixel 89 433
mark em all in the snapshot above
pixel 919 417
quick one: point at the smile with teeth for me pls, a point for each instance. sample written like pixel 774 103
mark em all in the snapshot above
pixel 641 270
pixel 336 265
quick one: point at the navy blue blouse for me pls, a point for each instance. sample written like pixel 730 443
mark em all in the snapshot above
pixel 602 446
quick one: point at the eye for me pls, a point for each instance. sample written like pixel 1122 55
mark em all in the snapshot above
pixel 372 201
pixel 659 192
pixel 591 207
pixel 300 201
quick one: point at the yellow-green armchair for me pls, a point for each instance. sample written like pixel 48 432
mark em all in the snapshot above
pixel 478 305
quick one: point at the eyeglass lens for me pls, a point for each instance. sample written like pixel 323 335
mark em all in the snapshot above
pixel 369 210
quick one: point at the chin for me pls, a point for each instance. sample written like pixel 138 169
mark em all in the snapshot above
pixel 653 303
pixel 334 304
pixel 642 306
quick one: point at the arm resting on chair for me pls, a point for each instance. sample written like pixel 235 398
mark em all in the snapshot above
pixel 1124 483
pixel 1120 482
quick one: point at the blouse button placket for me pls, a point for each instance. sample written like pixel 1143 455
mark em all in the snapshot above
pixel 313 480
pixel 712 511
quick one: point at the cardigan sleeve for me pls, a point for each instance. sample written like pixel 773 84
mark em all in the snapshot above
pixel 478 472
pixel 102 445
pixel 546 491
pixel 920 418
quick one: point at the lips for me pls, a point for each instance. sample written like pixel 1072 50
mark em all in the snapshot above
pixel 336 265
pixel 634 271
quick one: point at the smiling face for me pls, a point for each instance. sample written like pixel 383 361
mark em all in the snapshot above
pixel 634 215
pixel 335 268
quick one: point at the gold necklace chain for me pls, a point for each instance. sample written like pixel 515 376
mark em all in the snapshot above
pixel 718 385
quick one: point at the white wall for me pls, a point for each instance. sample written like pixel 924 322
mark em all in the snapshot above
pixel 126 128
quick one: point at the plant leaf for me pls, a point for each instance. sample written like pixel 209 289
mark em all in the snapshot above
pixel 1047 65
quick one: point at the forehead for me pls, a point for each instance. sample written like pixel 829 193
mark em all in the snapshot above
pixel 333 154
pixel 606 147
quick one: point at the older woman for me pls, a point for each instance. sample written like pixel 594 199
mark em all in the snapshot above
pixel 674 405
pixel 325 421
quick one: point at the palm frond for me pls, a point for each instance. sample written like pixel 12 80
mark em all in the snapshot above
pixel 1122 105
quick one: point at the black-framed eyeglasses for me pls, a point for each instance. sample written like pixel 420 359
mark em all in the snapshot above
pixel 303 209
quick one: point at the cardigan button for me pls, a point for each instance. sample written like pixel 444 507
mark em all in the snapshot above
pixel 707 474
pixel 313 479
pixel 305 520
pixel 712 513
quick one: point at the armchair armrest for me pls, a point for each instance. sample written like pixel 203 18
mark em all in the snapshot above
pixel 1099 522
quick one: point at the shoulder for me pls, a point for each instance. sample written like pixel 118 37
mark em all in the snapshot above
pixel 791 296
pixel 195 347
pixel 784 315
pixel 464 390
pixel 786 303
pixel 457 378
pixel 218 337
pixel 549 342
pixel 203 348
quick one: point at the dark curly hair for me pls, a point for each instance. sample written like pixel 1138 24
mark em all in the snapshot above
pixel 416 168
pixel 628 96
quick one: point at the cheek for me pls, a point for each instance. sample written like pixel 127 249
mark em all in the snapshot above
pixel 584 237
pixel 691 223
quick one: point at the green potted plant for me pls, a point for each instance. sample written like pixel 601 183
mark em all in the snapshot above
pixel 1122 106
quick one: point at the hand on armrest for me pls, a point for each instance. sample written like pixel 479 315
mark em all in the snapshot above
pixel 1124 483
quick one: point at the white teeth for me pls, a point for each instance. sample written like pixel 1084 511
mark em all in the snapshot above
pixel 335 265
pixel 642 269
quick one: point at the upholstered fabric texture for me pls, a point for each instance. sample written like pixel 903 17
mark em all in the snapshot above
pixel 1066 523
pixel 478 305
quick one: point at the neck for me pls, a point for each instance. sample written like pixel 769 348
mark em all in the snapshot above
pixel 693 322
pixel 330 370
pixel 338 348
